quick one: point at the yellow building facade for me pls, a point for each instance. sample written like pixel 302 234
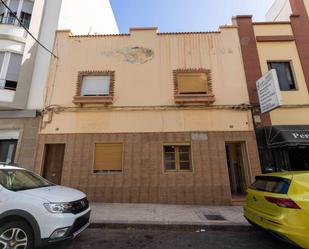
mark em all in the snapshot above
pixel 149 117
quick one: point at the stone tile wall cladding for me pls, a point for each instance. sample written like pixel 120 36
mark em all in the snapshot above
pixel 26 148
pixel 143 179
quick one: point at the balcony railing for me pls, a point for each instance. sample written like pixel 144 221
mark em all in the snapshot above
pixel 12 20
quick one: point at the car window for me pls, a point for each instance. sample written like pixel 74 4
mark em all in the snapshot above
pixel 17 180
pixel 271 184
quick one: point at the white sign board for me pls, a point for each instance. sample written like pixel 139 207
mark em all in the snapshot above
pixel 269 91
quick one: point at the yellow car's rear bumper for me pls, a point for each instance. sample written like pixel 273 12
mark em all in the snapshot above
pixel 295 235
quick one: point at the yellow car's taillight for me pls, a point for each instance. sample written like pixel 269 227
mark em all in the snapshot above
pixel 282 202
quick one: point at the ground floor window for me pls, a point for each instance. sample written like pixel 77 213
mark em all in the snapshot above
pixel 177 158
pixel 8 150
pixel 108 158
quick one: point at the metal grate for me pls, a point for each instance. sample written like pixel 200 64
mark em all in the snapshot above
pixel 214 217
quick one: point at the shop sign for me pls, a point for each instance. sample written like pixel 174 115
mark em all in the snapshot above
pixel 269 91
pixel 298 135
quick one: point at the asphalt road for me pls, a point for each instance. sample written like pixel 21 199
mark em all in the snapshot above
pixel 160 239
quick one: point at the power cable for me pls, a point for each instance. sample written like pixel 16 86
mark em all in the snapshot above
pixel 25 28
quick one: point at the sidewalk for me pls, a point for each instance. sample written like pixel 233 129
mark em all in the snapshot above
pixel 167 215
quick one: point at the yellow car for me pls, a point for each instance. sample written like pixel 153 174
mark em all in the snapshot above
pixel 279 203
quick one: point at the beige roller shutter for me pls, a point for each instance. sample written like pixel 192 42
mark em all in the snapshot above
pixel 192 83
pixel 108 157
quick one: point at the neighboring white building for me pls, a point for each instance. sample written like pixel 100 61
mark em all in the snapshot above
pixel 12 44
pixel 24 63
pixel 279 11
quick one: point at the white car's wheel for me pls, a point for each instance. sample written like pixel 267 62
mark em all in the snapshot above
pixel 16 235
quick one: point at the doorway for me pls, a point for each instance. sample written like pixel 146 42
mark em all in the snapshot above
pixel 236 163
pixel 53 162
pixel 299 159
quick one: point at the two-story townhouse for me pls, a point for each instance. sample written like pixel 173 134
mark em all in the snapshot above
pixel 149 117
pixel 282 44
pixel 24 63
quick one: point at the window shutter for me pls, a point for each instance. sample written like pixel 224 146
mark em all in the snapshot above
pixel 14 67
pixel 27 6
pixel 14 5
pixel 192 83
pixel 108 157
pixel 95 86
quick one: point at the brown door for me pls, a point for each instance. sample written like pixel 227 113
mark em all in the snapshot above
pixel 53 162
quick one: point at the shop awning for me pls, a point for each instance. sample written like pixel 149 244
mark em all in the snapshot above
pixel 287 135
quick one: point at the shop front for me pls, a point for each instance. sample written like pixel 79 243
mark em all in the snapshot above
pixel 284 148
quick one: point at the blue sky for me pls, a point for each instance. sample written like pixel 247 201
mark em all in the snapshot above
pixel 184 15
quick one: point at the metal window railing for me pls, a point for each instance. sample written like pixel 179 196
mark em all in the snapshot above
pixel 12 20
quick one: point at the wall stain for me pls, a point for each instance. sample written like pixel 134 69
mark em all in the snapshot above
pixel 133 55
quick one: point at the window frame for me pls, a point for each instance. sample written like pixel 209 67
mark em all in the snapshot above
pixel 107 172
pixel 79 99
pixel 23 19
pixel 292 73
pixel 183 98
pixel 177 164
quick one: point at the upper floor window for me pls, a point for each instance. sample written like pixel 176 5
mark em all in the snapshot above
pixel 285 75
pixel 193 86
pixel 13 71
pixel 11 19
pixel 95 87
pixel 10 64
pixel 25 19
pixel 192 83
pixel 21 10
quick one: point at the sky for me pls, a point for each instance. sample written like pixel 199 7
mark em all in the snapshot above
pixel 184 15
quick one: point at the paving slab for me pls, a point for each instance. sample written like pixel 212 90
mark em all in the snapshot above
pixel 164 215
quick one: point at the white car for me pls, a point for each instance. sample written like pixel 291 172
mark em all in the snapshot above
pixel 35 212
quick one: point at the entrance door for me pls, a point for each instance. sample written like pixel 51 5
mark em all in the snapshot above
pixel 53 162
pixel 236 167
pixel 299 159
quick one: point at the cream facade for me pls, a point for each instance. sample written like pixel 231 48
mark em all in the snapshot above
pixel 280 45
pixel 172 147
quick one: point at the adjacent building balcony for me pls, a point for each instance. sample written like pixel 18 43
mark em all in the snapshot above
pixel 7 95
pixel 10 29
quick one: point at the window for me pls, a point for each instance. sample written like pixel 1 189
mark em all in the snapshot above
pixel 177 158
pixel 13 71
pixel 192 83
pixel 193 86
pixel 95 86
pixel 271 184
pixel 10 85
pixel 25 19
pixel 285 75
pixel 11 19
pixel 108 158
pixel 7 150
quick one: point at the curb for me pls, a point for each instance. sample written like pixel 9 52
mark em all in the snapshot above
pixel 173 227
